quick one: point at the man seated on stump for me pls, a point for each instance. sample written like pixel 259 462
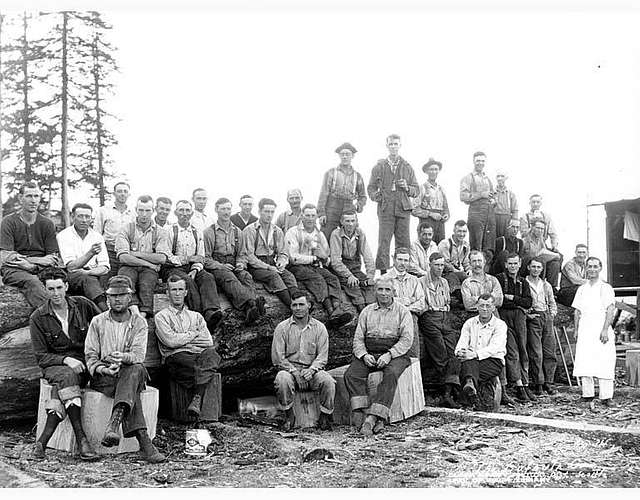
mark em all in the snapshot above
pixel 85 256
pixel 58 329
pixel 186 259
pixel 349 249
pixel 185 344
pixel 300 350
pixel 382 340
pixel 115 349
pixel 481 348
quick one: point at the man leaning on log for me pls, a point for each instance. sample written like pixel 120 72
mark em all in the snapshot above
pixel 58 330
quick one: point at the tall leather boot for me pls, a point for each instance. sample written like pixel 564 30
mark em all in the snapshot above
pixel 49 428
pixel 148 451
pixel 86 451
pixel 111 434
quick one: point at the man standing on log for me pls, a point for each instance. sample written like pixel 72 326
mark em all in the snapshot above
pixel 506 205
pixel 186 259
pixel 481 347
pixel 186 344
pixel 456 257
pixel 142 248
pixel 308 252
pixel 264 248
pixel 476 190
pixel 300 350
pixel 342 189
pixel 244 217
pixel 110 219
pixel 224 259
pixel 432 202
pixel 594 306
pixel 349 249
pixel 58 330
pixel 541 340
pixel 439 339
pixel 382 340
pixel 200 219
pixel 392 183
pixel 573 275
pixel 292 217
pixel 85 256
pixel 421 250
pixel 115 349
pixel 27 246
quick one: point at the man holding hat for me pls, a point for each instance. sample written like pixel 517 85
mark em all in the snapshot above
pixel 114 349
pixel 432 202
pixel 292 217
pixel 506 205
pixel 342 189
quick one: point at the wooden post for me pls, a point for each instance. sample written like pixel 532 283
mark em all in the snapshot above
pixel 632 364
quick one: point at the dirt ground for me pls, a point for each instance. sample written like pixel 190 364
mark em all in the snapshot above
pixel 425 451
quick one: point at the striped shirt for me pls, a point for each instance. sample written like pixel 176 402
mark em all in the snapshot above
pixel 181 330
pixel 294 347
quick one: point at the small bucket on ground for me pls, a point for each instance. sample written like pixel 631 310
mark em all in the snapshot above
pixel 196 442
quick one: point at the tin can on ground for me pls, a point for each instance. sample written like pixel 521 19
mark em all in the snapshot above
pixel 196 442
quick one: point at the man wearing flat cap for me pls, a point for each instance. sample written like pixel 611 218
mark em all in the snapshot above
pixel 342 189
pixel 432 204
pixel 292 217
pixel 114 349
pixel 392 184
pixel 506 205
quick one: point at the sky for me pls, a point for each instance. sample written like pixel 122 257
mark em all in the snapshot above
pixel 255 99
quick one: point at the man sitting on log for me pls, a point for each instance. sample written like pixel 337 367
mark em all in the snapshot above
pixel 163 211
pixel 58 330
pixel 535 247
pixel 478 283
pixel 292 217
pixel 186 259
pixel 27 246
pixel 481 348
pixel 244 217
pixel 200 219
pixel 225 260
pixel 142 248
pixel 300 350
pixel 349 249
pixel 85 256
pixel 573 275
pixel 422 249
pixel 264 248
pixel 186 344
pixel 382 340
pixel 308 252
pixel 115 349
pixel 456 257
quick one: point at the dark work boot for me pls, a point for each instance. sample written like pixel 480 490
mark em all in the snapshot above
pixel 194 407
pixel 537 389
pixel 111 434
pixel 529 393
pixel 289 420
pixel 521 394
pixel 447 401
pixel 86 451
pixel 325 422
pixel 506 400
pixel 285 297
pixel 549 388
pixel 49 428
pixel 260 305
pixel 469 390
pixel 357 418
pixel 148 451
pixel 212 318
pixel 251 313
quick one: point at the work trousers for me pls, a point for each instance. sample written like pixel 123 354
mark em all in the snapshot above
pixel 390 224
pixel 438 345
pixel 567 294
pixel 66 385
pixel 85 285
pixel 125 388
pixel 334 209
pixel 190 369
pixel 517 358
pixel 589 391
pixel 356 381
pixel 320 282
pixel 359 295
pixel 322 383
pixel 502 221
pixel 541 345
pixel 482 225
pixel 144 282
pixel 273 281
pixel 480 371
pixel 29 284
pixel 438 228
pixel 114 262
pixel 203 293
pixel 237 285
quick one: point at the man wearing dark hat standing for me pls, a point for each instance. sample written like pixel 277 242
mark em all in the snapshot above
pixel 115 348
pixel 432 202
pixel 392 183
pixel 342 190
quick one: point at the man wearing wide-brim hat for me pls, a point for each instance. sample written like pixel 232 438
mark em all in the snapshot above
pixel 432 206
pixel 342 189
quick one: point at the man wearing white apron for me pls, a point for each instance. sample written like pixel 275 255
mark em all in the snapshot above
pixel 595 349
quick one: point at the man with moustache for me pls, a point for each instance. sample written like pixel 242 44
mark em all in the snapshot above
pixel 433 207
pixel 244 217
pixel 478 283
pixel 292 217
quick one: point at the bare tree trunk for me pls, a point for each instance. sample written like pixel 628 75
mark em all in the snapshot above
pixel 26 147
pixel 96 85
pixel 65 117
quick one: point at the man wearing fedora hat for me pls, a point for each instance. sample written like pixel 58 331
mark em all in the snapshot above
pixel 342 189
pixel 506 205
pixel 432 206
pixel 114 349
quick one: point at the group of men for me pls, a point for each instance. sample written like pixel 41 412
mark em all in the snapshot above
pixel 113 264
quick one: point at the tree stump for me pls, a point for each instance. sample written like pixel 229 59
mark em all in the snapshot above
pixel 211 408
pixel 632 363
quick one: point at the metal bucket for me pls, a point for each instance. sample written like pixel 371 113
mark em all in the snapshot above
pixel 196 442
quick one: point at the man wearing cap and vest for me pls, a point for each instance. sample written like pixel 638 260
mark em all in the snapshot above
pixel 392 183
pixel 349 249
pixel 432 206
pixel 114 350
pixel 292 217
pixel 225 260
pixel 342 189
pixel 506 205
pixel 476 190
pixel 142 248
pixel 187 262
